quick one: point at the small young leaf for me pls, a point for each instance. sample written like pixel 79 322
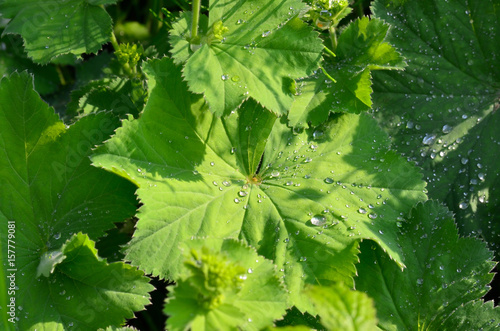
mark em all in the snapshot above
pixel 361 48
pixel 54 28
pixel 341 308
pixel 200 176
pixel 226 286
pixel 442 111
pixel 443 272
pixel 254 53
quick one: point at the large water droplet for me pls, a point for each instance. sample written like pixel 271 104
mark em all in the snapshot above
pixel 429 139
pixel 328 180
pixel 318 220
pixel 447 128
pixel 318 134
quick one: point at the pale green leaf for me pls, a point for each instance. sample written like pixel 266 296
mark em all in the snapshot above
pixel 53 28
pixel 198 175
pixel 341 308
pixel 361 48
pixel 233 288
pixel 442 111
pixel 442 273
pixel 259 56
pixel 49 192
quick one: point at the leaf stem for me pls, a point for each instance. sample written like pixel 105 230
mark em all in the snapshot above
pixel 196 19
pixel 333 37
pixel 62 80
pixel 328 75
pixel 329 51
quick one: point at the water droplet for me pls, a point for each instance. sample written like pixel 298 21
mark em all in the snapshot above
pixel 240 21
pixel 224 77
pixel 362 211
pixel 242 193
pixel 328 180
pixel 318 220
pixel 420 281
pixel 226 183
pixel 235 78
pixel 318 134
pixel 447 128
pixel 429 139
pixel 463 205
pixel 243 277
pixel 46 47
pixel 307 160
pixel 289 183
pixel 464 160
pixel 57 236
pixel 372 216
pixel 275 173
pixel 266 33
pixel 236 200
pixel 303 259
pixel 212 164
pixel 250 270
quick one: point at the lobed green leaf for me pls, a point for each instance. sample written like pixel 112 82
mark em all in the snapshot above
pixel 199 176
pixel 50 192
pixel 443 273
pixel 54 28
pixel 442 111
pixel 264 49
pixel 362 47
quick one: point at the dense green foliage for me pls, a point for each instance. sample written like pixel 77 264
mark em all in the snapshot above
pixel 281 164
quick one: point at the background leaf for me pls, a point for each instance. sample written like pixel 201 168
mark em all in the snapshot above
pixel 443 273
pixel 83 286
pixel 203 176
pixel 54 28
pixel 49 190
pixel 361 48
pixel 258 57
pixel 442 110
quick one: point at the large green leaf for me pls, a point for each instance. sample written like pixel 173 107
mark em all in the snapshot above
pixel 49 191
pixel 228 287
pixel 258 56
pixel 361 49
pixel 199 175
pixel 443 273
pixel 53 28
pixel 442 110
pixel 341 308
